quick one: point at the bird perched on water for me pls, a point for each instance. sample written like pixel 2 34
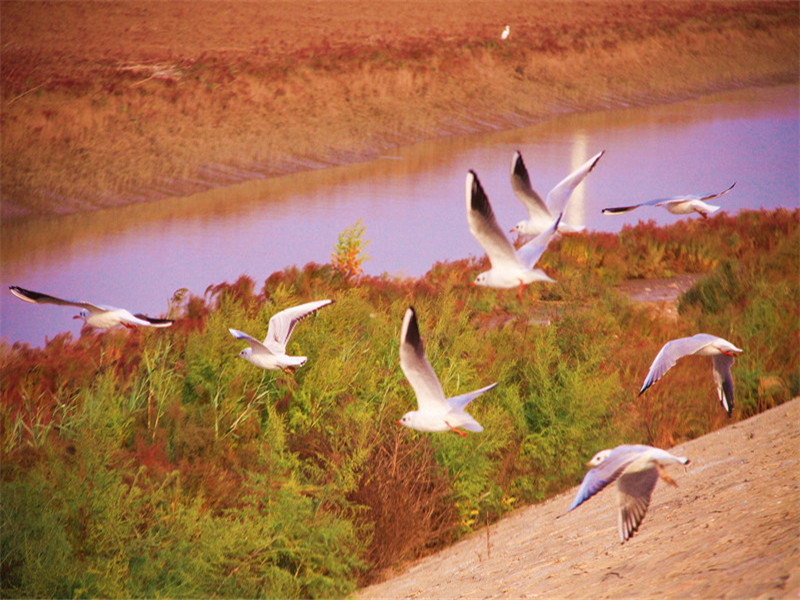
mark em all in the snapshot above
pixel 271 353
pixel 636 469
pixel 677 205
pixel 506 32
pixel 510 268
pixel 541 214
pixel 435 412
pixel 720 350
pixel 93 315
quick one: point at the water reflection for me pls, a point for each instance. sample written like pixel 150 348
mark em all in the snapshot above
pixel 412 203
pixel 576 209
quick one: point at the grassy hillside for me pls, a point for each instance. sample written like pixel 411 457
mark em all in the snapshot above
pixel 157 463
pixel 141 100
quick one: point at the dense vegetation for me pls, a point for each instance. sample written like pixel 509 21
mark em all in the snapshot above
pixel 156 463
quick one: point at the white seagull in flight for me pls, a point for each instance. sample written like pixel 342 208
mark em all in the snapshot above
pixel 271 353
pixel 701 344
pixel 510 268
pixel 94 315
pixel 541 214
pixel 435 412
pixel 636 470
pixel 677 205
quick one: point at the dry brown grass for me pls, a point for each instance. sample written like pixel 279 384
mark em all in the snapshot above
pixel 112 103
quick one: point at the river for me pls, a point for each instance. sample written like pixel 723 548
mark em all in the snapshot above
pixel 411 203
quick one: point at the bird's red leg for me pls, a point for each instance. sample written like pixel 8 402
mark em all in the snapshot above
pixel 665 477
pixel 454 430
pixel 519 291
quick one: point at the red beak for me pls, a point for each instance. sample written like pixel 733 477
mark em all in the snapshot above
pixel 398 422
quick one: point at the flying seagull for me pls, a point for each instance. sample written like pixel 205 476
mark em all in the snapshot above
pixel 94 315
pixel 701 344
pixel 636 470
pixel 677 205
pixel 271 353
pixel 510 268
pixel 435 412
pixel 541 214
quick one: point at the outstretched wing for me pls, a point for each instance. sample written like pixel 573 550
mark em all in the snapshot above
pixel 724 380
pixel 521 184
pixel 717 194
pixel 530 253
pixel 39 298
pixel 254 343
pixel 559 196
pixel 483 225
pixel 605 473
pixel 634 490
pixel 670 353
pixel 282 324
pixel 416 367
pixel 154 322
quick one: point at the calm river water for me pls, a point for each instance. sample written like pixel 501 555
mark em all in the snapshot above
pixel 411 203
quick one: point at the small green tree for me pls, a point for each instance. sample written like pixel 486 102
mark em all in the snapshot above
pixel 348 253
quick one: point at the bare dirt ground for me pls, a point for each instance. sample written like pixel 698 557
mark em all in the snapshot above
pixel 730 530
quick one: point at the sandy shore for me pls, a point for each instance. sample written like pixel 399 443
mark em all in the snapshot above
pixel 730 530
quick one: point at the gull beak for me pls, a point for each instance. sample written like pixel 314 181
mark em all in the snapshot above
pixel 398 422
pixel 76 317
pixel 589 464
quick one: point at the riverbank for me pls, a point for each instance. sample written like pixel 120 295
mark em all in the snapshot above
pixel 729 530
pixel 141 101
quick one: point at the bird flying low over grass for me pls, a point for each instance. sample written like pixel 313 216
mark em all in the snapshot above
pixel 541 214
pixel 271 353
pixel 720 350
pixel 636 469
pixel 677 205
pixel 435 412
pixel 93 315
pixel 510 268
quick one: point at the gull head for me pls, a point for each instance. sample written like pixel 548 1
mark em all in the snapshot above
pixel 246 354
pixel 518 228
pixel 84 314
pixel 598 458
pixel 407 419
pixel 482 279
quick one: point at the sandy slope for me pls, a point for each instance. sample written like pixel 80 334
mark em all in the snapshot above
pixel 730 530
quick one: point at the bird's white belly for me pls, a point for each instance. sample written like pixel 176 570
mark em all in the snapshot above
pixel 680 208
pixel 104 320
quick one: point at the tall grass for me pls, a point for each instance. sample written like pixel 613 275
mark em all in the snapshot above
pixel 158 463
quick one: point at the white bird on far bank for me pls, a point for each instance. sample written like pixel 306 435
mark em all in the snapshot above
pixel 510 268
pixel 636 469
pixel 271 353
pixel 542 213
pixel 720 350
pixel 435 413
pixel 506 32
pixel 677 205
pixel 93 315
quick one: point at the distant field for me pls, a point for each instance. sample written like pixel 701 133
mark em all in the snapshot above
pixel 111 103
